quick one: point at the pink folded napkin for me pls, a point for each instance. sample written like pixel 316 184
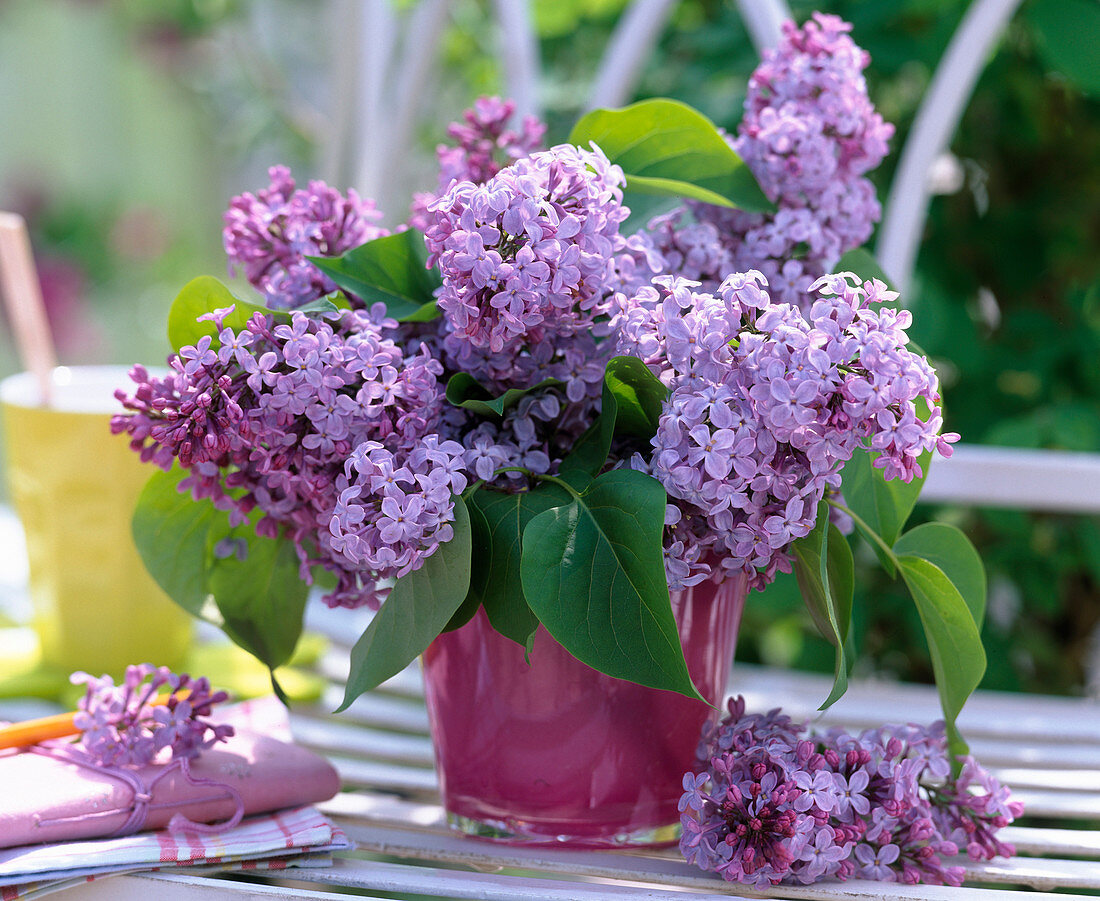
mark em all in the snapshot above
pixel 289 838
pixel 45 797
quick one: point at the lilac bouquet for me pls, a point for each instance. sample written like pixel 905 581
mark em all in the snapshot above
pixel 769 805
pixel 523 402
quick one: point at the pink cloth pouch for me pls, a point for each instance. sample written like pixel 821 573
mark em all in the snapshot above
pixel 45 796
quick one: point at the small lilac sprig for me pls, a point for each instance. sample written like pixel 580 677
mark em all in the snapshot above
pixel 120 726
pixel 270 233
pixel 768 806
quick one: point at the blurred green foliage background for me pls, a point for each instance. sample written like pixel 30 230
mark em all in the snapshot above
pixel 127 125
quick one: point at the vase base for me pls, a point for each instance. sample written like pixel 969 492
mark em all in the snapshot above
pixel 519 832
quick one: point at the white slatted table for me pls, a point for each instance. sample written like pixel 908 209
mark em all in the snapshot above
pixel 1046 748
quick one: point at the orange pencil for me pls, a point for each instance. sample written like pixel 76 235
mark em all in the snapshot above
pixel 31 732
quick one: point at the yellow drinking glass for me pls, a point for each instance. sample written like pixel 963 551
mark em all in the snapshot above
pixel 74 486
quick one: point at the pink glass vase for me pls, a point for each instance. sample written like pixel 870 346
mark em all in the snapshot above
pixel 554 751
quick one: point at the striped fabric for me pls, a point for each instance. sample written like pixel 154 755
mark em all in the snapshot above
pixel 299 837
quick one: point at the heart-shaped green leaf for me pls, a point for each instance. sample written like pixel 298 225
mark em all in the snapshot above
pixel 633 398
pixel 639 396
pixel 205 294
pixel 589 453
pixel 261 598
pixel 500 588
pixel 883 505
pixel 200 296
pixel 419 607
pixel 391 270
pixel 246 584
pixel 593 573
pixel 481 565
pixel 948 548
pixel 958 658
pixel 666 147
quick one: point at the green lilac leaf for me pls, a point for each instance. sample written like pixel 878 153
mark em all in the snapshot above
pixel 261 598
pixel 506 516
pixel 948 548
pixel 589 453
pixel 593 573
pixel 481 565
pixel 205 294
pixel 419 607
pixel 666 147
pixel 466 611
pixel 824 569
pixel 200 296
pixel 255 596
pixel 633 398
pixel 171 533
pixel 958 658
pixel 883 505
pixel 390 270
pixel 639 396
pixel 330 303
pixel 463 390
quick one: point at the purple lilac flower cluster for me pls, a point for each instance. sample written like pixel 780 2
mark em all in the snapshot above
pixel 528 257
pixel 485 145
pixel 121 726
pixel 529 268
pixel 809 135
pixel 269 235
pixel 768 805
pixel 329 430
pixel 766 405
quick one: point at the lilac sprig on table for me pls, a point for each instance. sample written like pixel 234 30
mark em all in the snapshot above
pixel 120 726
pixel 809 134
pixel 768 805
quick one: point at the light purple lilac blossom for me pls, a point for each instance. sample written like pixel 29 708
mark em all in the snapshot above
pixel 768 805
pixel 766 404
pixel 528 257
pixel 809 134
pixel 307 421
pixel 485 145
pixel 120 726
pixel 269 235
pixel 529 267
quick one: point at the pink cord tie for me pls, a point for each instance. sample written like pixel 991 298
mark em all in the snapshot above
pixel 142 801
